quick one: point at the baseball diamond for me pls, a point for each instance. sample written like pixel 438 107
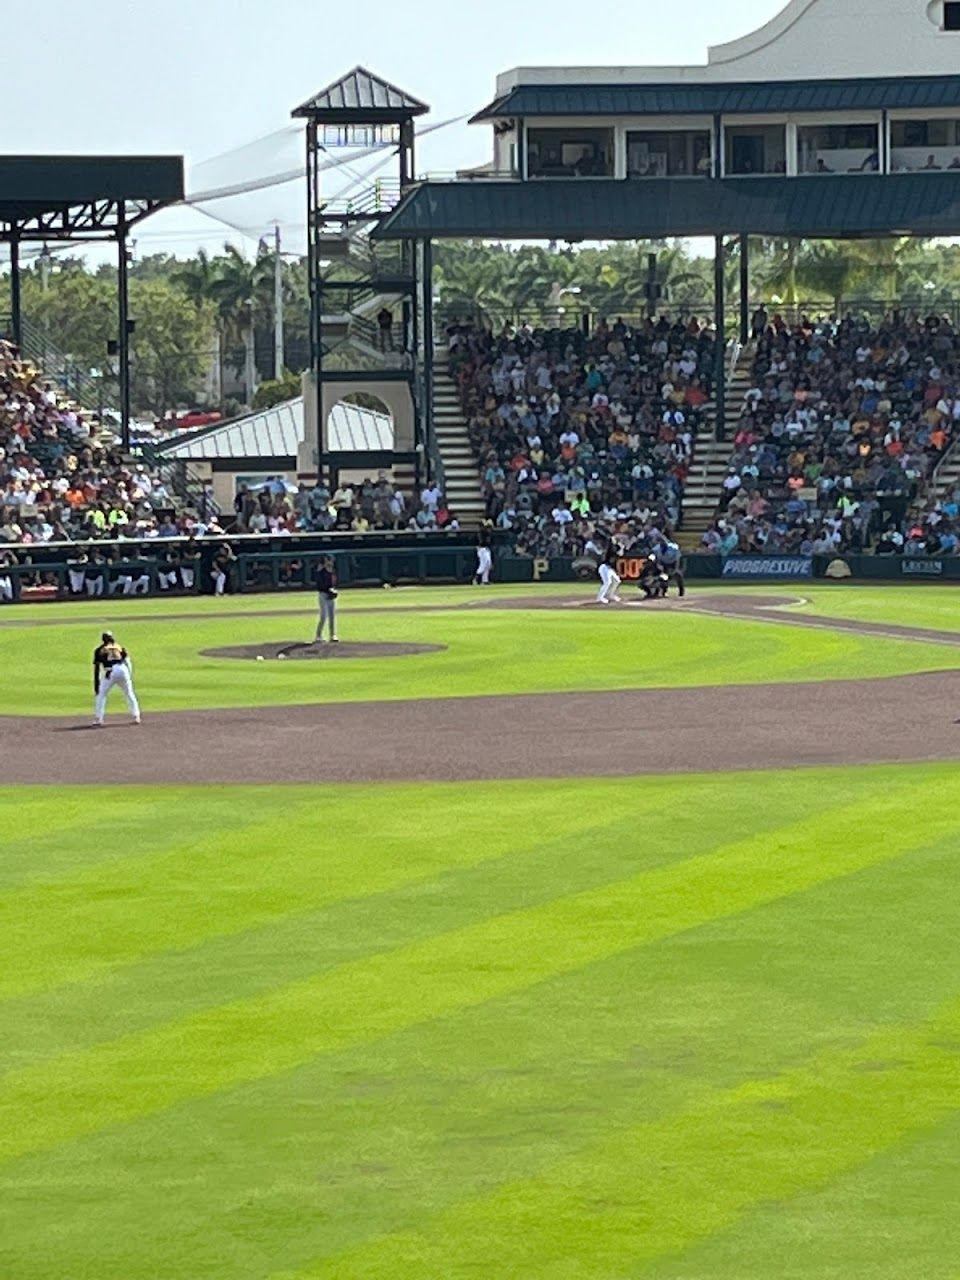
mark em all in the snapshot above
pixel 480 643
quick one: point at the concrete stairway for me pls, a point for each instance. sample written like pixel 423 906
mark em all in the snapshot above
pixel 947 476
pixel 711 458
pixel 461 475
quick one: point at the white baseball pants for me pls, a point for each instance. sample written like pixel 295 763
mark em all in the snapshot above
pixel 118 677
pixel 609 584
pixel 328 617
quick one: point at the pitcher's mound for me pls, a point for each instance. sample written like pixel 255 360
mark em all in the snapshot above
pixel 297 649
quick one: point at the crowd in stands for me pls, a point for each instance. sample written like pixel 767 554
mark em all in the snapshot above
pixel 577 430
pixel 57 482
pixel 842 428
pixel 370 505
pixel 60 482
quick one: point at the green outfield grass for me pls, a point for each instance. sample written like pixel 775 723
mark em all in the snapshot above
pixel 506 650
pixel 692 1028
pixel 935 608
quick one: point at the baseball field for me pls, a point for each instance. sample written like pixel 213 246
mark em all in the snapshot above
pixel 514 938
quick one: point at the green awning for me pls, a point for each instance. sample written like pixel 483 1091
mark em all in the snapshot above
pixel 601 209
pixel 868 94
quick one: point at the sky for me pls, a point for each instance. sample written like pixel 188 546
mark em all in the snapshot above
pixel 202 77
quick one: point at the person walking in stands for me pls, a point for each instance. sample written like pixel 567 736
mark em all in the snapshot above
pixel 112 670
pixel 484 556
pixel 385 328
pixel 609 578
pixel 326 580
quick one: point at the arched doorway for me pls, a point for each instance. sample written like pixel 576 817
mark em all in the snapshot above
pixel 360 422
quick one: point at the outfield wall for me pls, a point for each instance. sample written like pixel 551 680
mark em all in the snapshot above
pixel 50 572
pixel 741 569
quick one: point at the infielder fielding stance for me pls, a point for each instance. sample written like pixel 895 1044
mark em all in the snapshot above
pixel 609 578
pixel 112 670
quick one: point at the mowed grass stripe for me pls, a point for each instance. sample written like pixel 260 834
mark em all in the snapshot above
pixel 378 1138
pixel 357 1003
pixel 313 851
pixel 894 1217
pixel 509 872
pixel 81 832
pixel 651 1192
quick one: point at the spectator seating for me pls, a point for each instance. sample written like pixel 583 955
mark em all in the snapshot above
pixel 58 482
pixel 575 430
pixel 841 433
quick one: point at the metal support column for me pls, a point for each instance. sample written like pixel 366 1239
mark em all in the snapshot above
pixel 427 322
pixel 407 154
pixel 744 288
pixel 719 310
pixel 314 285
pixel 123 338
pixel 16 305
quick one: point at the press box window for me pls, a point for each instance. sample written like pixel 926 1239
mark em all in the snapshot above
pixel 951 15
pixel 570 153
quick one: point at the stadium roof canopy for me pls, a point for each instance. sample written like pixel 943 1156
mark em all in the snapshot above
pixel 361 96
pixel 679 98
pixel 841 206
pixel 277 434
pixel 83 197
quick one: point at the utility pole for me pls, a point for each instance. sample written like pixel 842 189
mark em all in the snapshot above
pixel 277 305
pixel 44 259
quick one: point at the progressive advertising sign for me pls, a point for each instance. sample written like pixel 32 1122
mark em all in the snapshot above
pixel 768 567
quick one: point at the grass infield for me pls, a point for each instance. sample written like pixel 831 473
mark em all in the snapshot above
pixel 488 650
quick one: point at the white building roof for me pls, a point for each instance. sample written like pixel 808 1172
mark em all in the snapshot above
pixel 278 433
pixel 806 40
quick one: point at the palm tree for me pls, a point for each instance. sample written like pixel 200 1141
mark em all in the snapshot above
pixel 471 280
pixel 234 292
pixel 829 268
pixel 196 278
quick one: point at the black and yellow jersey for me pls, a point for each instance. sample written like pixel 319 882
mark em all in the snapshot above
pixel 108 655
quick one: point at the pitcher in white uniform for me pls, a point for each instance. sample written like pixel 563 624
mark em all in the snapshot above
pixel 112 670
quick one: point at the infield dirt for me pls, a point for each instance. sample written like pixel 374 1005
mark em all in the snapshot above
pixel 687 730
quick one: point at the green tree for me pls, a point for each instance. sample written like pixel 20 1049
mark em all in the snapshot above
pixel 195 278
pixel 276 390
pixel 170 348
